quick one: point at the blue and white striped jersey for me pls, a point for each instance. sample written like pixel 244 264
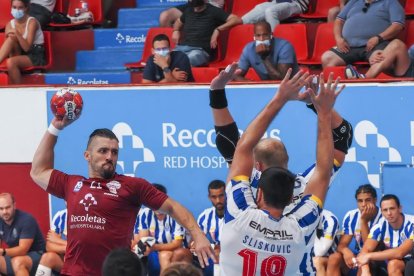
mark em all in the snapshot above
pixel 164 231
pixel 392 238
pixel 211 224
pixel 351 225
pixel 59 223
pixel 329 229
pixel 265 245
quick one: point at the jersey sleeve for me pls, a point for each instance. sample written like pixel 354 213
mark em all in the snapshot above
pixel 178 231
pixel 142 222
pixel 330 226
pixel 376 232
pixel 201 221
pixel 346 225
pixel 58 183
pixel 307 213
pixel 239 197
pixel 148 195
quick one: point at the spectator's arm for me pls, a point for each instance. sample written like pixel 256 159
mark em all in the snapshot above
pixel 26 43
pixel 277 71
pixel 21 250
pixel 147 81
pixel 232 20
pixel 392 31
pixel 337 29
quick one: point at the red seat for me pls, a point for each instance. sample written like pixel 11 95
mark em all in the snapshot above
pixel 297 36
pixel 4 79
pixel 204 74
pixel 324 40
pixel 409 7
pixel 241 7
pixel 252 75
pixel 238 37
pixel 48 56
pixel 152 32
pixel 94 6
pixel 409 36
pixel 321 9
pixel 339 71
pixel 5 14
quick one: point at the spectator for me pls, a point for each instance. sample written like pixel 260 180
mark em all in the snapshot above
pixel 199 27
pixel 24 42
pixel 42 10
pixel 22 242
pixel 356 225
pixel 269 56
pixel 181 269
pixel 168 17
pixel 395 231
pixel 166 66
pixel 56 243
pixel 275 11
pixel 354 42
pixel 168 235
pixel 393 60
pixel 334 11
pixel 122 262
pixel 326 241
pixel 411 52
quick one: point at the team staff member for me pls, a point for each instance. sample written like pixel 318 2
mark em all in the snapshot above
pixel 102 208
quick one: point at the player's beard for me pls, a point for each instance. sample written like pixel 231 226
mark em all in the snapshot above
pixel 108 171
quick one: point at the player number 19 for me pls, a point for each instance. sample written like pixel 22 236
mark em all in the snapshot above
pixel 273 266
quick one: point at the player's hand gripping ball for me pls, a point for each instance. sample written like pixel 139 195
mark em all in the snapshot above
pixel 66 102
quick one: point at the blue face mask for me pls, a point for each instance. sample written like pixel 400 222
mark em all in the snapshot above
pixel 17 13
pixel 163 52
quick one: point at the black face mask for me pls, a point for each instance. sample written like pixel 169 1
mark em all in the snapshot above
pixel 196 3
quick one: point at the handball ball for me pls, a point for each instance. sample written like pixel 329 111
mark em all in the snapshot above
pixel 66 102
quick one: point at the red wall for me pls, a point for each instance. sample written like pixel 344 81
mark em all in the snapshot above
pixel 15 179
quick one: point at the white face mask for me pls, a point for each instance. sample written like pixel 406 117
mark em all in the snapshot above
pixel 265 42
pixel 163 52
pixel 17 13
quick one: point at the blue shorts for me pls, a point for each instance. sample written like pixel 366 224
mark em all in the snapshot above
pixel 33 255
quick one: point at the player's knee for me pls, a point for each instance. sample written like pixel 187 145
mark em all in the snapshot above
pixel 182 255
pixel 165 255
pixel 320 263
pixel 335 258
pixel 395 267
pixel 19 263
pixel 48 259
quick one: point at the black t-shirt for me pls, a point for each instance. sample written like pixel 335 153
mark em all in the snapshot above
pixel 199 26
pixel 24 226
pixel 178 60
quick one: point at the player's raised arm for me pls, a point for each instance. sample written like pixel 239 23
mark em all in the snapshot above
pixel 323 103
pixel 243 157
pixel 67 106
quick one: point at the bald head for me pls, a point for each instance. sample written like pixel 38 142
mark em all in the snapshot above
pixel 271 153
pixel 7 196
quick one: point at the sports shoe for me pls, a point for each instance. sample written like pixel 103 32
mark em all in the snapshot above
pixel 352 73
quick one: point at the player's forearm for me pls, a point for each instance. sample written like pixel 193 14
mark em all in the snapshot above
pixel 181 215
pixel 43 160
pixel 55 247
pixel 171 246
pixel 344 249
pixel 364 230
pixel 16 251
pixel 324 153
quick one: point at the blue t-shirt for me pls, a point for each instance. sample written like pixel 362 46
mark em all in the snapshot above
pixel 24 226
pixel 178 60
pixel 359 26
pixel 282 52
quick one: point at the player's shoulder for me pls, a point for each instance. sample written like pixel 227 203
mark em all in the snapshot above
pixel 207 211
pixel 130 180
pixel 352 213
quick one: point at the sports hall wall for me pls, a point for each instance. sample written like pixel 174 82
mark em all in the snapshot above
pixel 167 136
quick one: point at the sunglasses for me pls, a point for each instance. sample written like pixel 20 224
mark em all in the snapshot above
pixel 366 7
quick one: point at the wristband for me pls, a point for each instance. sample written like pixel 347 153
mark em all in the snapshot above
pixel 380 39
pixel 218 99
pixel 53 130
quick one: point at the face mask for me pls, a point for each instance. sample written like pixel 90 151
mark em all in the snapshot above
pixel 264 42
pixel 17 13
pixel 196 3
pixel 163 52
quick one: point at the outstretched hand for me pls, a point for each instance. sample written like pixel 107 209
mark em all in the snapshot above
pixel 290 88
pixel 325 99
pixel 225 76
pixel 61 123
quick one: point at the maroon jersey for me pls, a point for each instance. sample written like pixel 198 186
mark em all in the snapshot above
pixel 101 216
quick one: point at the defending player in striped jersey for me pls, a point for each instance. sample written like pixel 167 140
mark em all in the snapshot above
pixel 168 236
pixel 395 231
pixel 56 243
pixel 271 152
pixel 326 241
pixel 356 225
pixel 258 235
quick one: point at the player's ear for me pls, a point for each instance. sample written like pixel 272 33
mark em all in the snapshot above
pixel 87 155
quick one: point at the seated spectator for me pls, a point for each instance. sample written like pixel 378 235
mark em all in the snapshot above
pixel 167 232
pixel 168 17
pixel 356 225
pixel 22 242
pixel 363 27
pixel 122 262
pixel 275 11
pixel 395 231
pixel 326 241
pixel 181 269
pixel 56 243
pixel 24 41
pixel 393 60
pixel 199 27
pixel 42 10
pixel 165 65
pixel 334 11
pixel 269 56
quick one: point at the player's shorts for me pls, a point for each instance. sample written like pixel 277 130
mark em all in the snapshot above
pixel 358 53
pixel 33 255
pixel 410 71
